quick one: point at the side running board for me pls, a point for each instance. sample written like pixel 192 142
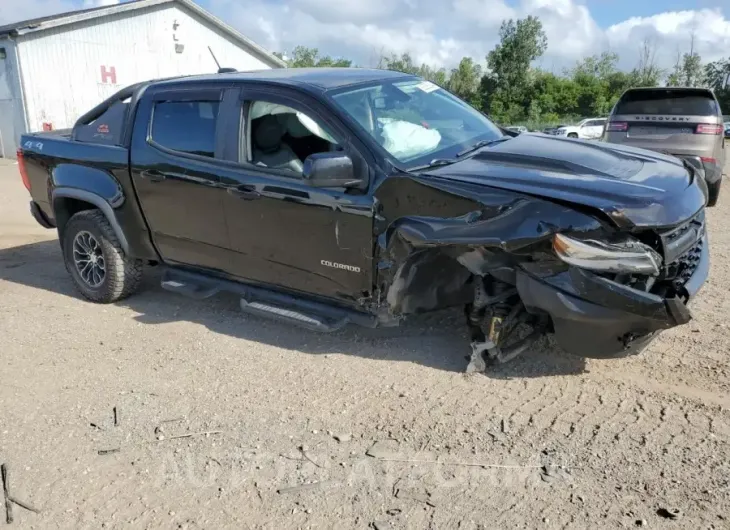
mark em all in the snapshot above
pixel 309 321
pixel 300 311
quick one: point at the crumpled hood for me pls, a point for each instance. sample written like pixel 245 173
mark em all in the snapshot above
pixel 635 187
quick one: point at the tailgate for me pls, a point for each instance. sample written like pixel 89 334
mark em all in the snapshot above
pixel 674 121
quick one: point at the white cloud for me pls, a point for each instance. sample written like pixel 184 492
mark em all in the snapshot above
pixel 672 32
pixel 100 3
pixel 17 10
pixel 440 32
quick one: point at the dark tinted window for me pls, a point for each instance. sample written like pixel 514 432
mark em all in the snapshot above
pixel 671 102
pixel 186 126
pixel 106 129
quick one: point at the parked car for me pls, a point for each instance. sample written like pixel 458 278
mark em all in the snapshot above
pixel 327 196
pixel 727 129
pixel 590 129
pixel 519 129
pixel 552 130
pixel 685 122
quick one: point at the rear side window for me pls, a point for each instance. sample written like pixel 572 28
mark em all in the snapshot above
pixel 668 102
pixel 106 129
pixel 186 126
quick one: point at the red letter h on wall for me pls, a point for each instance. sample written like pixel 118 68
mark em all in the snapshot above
pixel 109 76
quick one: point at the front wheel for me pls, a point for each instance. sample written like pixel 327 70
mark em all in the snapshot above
pixel 572 135
pixel 96 261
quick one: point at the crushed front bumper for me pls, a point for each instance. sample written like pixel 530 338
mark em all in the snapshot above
pixel 596 317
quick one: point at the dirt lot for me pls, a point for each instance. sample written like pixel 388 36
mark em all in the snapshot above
pixel 621 439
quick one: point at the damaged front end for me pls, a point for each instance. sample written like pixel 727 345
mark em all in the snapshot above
pixel 523 266
pixel 613 309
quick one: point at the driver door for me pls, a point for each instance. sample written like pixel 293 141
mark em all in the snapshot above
pixel 282 231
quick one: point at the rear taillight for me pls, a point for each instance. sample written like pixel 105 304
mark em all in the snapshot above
pixel 23 172
pixel 617 126
pixel 708 128
pixel 708 160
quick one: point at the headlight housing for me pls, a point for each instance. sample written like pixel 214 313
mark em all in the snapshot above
pixel 630 255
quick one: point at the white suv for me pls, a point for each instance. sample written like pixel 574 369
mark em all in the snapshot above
pixel 590 129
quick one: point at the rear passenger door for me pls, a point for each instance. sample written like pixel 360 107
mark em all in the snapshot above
pixel 174 162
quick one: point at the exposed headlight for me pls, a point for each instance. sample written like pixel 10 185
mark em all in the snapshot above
pixel 629 256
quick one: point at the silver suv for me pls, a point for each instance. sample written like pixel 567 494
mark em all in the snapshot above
pixel 684 122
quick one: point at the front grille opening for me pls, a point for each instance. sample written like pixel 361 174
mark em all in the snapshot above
pixel 681 270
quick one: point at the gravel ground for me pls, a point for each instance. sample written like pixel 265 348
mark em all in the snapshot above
pixel 621 440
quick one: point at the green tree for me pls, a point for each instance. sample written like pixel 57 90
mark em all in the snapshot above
pixel 596 67
pixel 303 57
pixel 555 96
pixel 717 74
pixel 717 77
pixel 464 80
pixel 647 72
pixel 692 70
pixel 505 89
pixel 599 84
pixel 404 63
pixel 688 69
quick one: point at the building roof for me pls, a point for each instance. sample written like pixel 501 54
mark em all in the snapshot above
pixel 319 78
pixel 62 19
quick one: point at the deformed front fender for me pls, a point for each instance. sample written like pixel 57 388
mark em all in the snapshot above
pixel 426 262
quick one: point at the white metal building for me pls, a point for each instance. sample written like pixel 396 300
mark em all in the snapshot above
pixel 54 69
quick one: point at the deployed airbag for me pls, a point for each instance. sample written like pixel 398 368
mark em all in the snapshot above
pixel 405 140
pixel 285 115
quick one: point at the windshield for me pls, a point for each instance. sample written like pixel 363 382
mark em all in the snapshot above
pixel 416 121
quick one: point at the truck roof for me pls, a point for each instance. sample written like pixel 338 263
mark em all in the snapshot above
pixel 316 78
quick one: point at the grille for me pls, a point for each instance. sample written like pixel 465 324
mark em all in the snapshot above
pixel 681 248
pixel 676 243
pixel 681 270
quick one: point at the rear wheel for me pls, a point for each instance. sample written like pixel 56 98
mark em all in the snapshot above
pixel 95 259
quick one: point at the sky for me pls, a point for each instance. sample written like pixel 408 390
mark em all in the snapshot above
pixel 441 32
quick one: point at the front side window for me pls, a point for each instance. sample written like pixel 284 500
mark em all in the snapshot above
pixel 186 126
pixel 281 137
pixel 414 120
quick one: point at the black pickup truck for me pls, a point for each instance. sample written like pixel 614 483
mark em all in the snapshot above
pixel 329 196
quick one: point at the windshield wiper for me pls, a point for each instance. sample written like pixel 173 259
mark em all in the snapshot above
pixel 482 143
pixel 434 163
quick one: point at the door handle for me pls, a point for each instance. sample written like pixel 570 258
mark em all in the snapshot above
pixel 245 192
pixel 152 175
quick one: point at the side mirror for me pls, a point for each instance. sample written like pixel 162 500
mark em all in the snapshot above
pixel 330 170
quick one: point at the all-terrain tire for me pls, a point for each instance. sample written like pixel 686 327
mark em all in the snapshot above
pixel 714 193
pixel 122 273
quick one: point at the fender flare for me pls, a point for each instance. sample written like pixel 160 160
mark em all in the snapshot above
pixel 100 203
